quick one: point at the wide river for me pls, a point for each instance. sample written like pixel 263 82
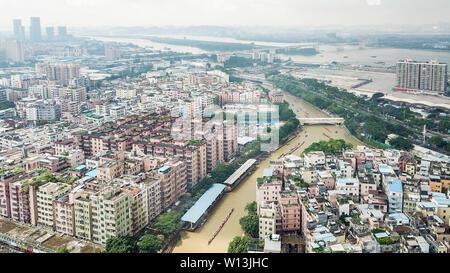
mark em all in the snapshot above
pixel 244 193
pixel 342 53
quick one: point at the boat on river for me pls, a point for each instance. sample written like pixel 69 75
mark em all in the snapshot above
pixel 221 226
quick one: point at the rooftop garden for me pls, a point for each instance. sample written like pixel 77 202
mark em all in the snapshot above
pixel 47 177
pixel 378 230
pixel 356 219
pixel 15 170
pixel 166 118
pixel 196 142
pixel 333 146
pixel 262 180
pixel 321 249
pixel 388 240
pixel 81 132
pixel 299 182
pixel 64 125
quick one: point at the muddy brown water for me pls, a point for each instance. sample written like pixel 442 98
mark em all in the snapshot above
pixel 197 241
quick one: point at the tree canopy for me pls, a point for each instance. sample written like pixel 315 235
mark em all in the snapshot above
pixel 150 244
pixel 121 244
pixel 168 223
pixel 333 146
pixel 250 222
pixel 63 249
pixel 401 143
pixel 6 105
pixel 239 245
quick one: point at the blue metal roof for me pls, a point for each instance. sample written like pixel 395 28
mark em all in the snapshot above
pixel 268 172
pixel 81 168
pixel 429 205
pixel 320 229
pixel 346 180
pixel 395 186
pixel 163 169
pixel 441 201
pixel 438 194
pixel 400 216
pixel 202 204
pixel 385 169
pixel 314 245
pixel 381 235
pixel 327 237
pixel 92 173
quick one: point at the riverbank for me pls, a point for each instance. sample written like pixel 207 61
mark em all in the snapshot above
pixel 245 192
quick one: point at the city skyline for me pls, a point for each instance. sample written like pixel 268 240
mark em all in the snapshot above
pixel 82 13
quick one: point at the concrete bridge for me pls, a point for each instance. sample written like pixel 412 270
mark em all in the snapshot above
pixel 321 121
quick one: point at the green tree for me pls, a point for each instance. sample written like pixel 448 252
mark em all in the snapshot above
pixel 252 207
pixel 168 223
pixel 285 113
pixel 150 244
pixel 121 244
pixel 239 245
pixel 377 96
pixel 333 146
pixel 62 249
pixel 288 128
pixel 235 61
pixel 437 141
pixel 375 130
pixel 250 224
pixel 6 105
pixel 401 144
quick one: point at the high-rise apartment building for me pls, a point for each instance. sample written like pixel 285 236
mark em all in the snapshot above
pixel 62 32
pixel 3 95
pixel 139 207
pixel 35 29
pixel 60 72
pixel 83 216
pixel 19 30
pixel 14 51
pixel 153 187
pixel 45 206
pixel 42 110
pixel 173 176
pixel 427 76
pixel 267 219
pixel 50 33
pixel 23 202
pixel 64 215
pixel 111 211
pixel 38 91
pixel 112 53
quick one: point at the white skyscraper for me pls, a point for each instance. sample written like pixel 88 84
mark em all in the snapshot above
pixel 14 51
pixel 429 76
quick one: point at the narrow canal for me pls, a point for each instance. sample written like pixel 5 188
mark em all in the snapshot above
pixel 244 193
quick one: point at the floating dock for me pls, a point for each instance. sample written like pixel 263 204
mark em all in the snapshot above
pixel 240 174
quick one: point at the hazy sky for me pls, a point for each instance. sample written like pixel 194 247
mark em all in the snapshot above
pixel 224 12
